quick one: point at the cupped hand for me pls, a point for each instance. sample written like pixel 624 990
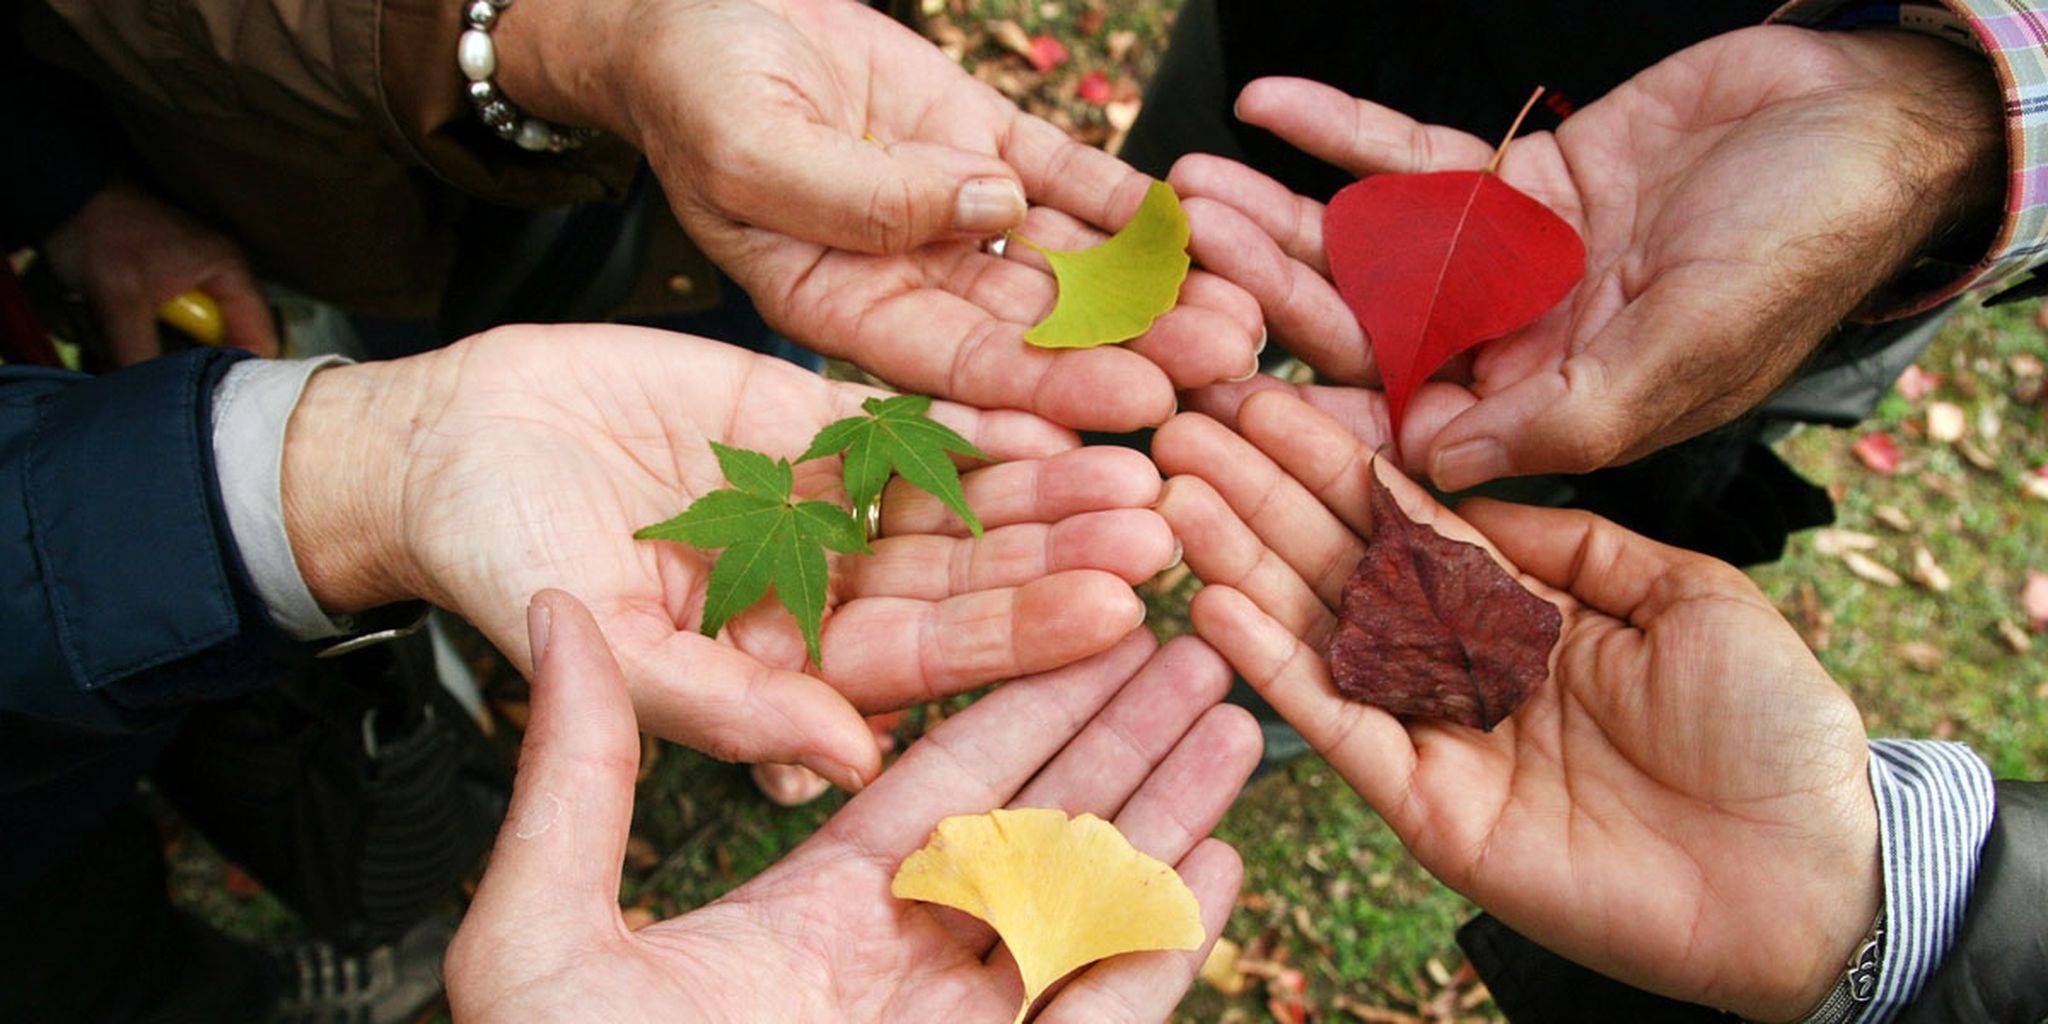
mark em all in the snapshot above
pixel 1737 199
pixel 128 253
pixel 525 459
pixel 1683 805
pixel 846 172
pixel 1132 735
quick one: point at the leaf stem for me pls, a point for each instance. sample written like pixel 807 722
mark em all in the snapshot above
pixel 1493 166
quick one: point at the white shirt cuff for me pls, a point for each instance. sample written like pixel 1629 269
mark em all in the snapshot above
pixel 251 405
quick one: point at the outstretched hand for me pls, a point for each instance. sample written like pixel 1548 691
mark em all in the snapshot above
pixel 1737 199
pixel 525 458
pixel 1683 805
pixel 1132 735
pixel 846 172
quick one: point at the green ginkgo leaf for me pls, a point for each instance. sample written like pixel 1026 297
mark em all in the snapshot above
pixel 1113 291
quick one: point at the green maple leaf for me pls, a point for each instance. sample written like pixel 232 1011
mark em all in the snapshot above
pixel 896 436
pixel 1113 291
pixel 770 540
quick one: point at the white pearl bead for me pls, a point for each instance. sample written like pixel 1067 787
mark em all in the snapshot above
pixel 533 135
pixel 476 56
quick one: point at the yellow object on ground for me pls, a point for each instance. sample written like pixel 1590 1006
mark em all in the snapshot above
pixel 196 314
pixel 1062 893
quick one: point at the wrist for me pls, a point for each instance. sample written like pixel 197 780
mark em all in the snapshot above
pixel 567 63
pixel 345 453
pixel 1842 915
pixel 1945 112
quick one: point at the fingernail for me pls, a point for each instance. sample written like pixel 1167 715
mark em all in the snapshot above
pixel 1469 464
pixel 985 206
pixel 1264 336
pixel 1178 551
pixel 539 619
pixel 846 777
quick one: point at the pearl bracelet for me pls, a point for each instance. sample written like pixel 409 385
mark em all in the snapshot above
pixel 477 56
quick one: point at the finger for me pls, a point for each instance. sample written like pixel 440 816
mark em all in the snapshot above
pixel 1142 988
pixel 1079 180
pixel 1362 412
pixel 922 339
pixel 1356 135
pixel 1664 368
pixel 1131 544
pixel 1366 746
pixel 1100 768
pixel 1314 542
pixel 131 330
pixel 1041 491
pixel 1305 312
pixel 885 653
pixel 977 760
pixel 1221 550
pixel 1608 568
pixel 821 184
pixel 1294 223
pixel 715 698
pixel 556 862
pixel 244 313
pixel 1316 451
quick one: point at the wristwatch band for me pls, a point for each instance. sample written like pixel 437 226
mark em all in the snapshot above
pixel 1858 987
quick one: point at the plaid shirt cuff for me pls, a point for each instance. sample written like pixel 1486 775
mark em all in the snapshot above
pixel 2014 35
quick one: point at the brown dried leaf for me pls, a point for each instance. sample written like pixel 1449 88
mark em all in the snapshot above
pixel 1946 423
pixel 1835 543
pixel 1890 516
pixel 1871 569
pixel 2015 637
pixel 1011 36
pixel 1976 456
pixel 2034 600
pixel 1922 656
pixel 1435 628
pixel 641 854
pixel 1220 971
pixel 1928 573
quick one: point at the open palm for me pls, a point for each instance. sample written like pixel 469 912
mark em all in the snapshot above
pixel 536 452
pixel 1737 199
pixel 1683 805
pixel 1132 735
pixel 785 93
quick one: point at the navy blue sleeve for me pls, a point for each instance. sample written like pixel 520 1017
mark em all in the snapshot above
pixel 121 596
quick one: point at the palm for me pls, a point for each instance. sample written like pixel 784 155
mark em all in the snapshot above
pixel 1735 204
pixel 1653 811
pixel 554 450
pixel 1131 735
pixel 945 318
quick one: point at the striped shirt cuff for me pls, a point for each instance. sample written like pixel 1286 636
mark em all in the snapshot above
pixel 2013 34
pixel 1934 808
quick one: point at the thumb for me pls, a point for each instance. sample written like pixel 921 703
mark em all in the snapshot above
pixel 557 857
pixel 825 186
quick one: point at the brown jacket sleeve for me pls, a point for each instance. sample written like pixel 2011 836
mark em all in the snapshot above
pixel 324 66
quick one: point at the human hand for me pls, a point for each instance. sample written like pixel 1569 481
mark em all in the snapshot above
pixel 1684 805
pixel 525 458
pixel 1737 200
pixel 128 253
pixel 1132 736
pixel 845 172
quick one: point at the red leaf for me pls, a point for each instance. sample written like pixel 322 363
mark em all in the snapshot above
pixel 1878 451
pixel 1094 88
pixel 1434 627
pixel 1046 53
pixel 1433 264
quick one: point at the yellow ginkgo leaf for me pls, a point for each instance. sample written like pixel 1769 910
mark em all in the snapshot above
pixel 1112 292
pixel 1061 892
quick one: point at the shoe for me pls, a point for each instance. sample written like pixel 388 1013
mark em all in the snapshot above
pixel 388 984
